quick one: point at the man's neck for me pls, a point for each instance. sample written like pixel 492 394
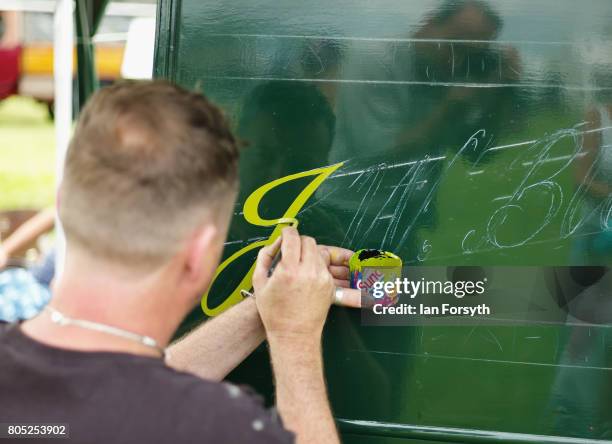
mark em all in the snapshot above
pixel 98 297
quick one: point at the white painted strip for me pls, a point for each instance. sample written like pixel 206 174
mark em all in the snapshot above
pixel 63 42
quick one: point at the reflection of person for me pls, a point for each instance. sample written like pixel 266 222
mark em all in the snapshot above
pixel 147 195
pixel 415 100
pixel 594 171
pixel 321 61
pixel 24 292
pixel 289 128
pixel 384 116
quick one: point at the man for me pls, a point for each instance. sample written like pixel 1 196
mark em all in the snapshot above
pixel 149 185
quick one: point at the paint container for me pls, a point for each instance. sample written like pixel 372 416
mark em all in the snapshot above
pixel 369 270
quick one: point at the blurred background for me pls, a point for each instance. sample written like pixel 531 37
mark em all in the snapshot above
pixel 473 133
pixel 29 30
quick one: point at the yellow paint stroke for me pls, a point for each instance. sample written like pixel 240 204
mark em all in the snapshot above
pixel 251 214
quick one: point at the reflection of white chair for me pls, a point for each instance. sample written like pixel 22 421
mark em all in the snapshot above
pixel 139 47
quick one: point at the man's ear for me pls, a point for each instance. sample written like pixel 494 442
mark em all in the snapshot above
pixel 202 257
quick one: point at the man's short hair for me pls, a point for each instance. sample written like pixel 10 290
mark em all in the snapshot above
pixel 148 162
pixel 451 8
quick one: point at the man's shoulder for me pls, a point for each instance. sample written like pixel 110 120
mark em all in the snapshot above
pixel 217 411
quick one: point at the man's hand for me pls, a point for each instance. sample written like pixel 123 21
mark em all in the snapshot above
pixel 293 304
pixel 217 347
pixel 295 300
pixel 337 260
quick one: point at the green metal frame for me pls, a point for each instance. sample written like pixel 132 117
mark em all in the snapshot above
pixel 88 15
pixel 448 434
pixel 166 39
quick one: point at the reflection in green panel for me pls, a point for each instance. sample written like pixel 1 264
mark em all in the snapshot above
pixel 473 133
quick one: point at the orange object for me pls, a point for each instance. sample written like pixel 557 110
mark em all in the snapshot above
pixel 37 59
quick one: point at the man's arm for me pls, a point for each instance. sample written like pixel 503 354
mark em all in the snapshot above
pixel 218 346
pixel 301 395
pixel 293 304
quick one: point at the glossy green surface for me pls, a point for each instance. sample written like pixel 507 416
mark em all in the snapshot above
pixel 87 14
pixel 474 133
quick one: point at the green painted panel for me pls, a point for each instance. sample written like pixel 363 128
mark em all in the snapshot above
pixel 473 133
pixel 361 439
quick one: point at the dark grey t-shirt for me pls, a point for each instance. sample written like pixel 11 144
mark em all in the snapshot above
pixel 121 398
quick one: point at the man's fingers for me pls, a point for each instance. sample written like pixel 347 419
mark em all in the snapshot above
pixel 339 271
pixel 348 297
pixel 325 256
pixel 265 258
pixel 267 253
pixel 309 251
pixel 337 255
pixel 343 283
pixel 291 247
